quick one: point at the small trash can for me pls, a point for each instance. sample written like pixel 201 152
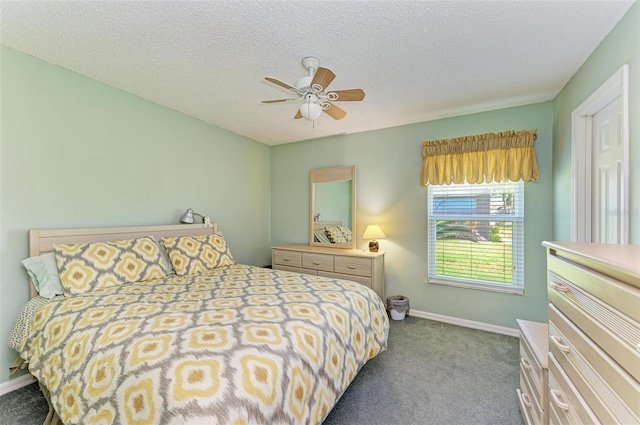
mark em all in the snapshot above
pixel 398 306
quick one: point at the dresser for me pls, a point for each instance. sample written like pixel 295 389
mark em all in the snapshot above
pixel 363 267
pixel 534 350
pixel 594 333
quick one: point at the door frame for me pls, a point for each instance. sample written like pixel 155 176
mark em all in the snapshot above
pixel 581 155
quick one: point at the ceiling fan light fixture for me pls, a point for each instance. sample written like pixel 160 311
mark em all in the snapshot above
pixel 311 109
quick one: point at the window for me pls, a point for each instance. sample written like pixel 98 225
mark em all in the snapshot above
pixel 476 235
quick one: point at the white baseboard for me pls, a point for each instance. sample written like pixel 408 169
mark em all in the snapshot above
pixel 14 384
pixel 465 323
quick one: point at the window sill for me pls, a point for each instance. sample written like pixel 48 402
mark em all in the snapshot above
pixel 477 286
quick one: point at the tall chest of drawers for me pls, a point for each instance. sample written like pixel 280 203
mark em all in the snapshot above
pixel 594 333
pixel 363 267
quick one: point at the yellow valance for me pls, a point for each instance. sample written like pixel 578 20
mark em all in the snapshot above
pixel 482 158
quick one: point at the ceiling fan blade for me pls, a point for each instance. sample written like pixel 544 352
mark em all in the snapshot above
pixel 281 83
pixel 323 77
pixel 298 115
pixel 335 112
pixel 292 99
pixel 348 95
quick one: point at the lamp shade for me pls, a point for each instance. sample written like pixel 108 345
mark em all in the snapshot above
pixel 373 231
pixel 187 217
pixel 311 108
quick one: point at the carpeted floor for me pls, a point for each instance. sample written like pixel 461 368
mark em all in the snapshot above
pixel 433 373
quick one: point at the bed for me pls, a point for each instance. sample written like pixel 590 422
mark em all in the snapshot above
pixel 230 343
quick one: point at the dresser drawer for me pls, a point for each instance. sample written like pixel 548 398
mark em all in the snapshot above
pixel 525 407
pixel 294 269
pixel 617 334
pixel 353 265
pixel 557 416
pixel 287 258
pixel 622 297
pixel 317 262
pixel 564 399
pixel 530 366
pixel 366 281
pixel 611 392
pixel 529 399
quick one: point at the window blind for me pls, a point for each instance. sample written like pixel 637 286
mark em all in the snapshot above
pixel 476 235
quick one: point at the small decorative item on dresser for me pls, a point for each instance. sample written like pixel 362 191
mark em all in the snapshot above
pixel 373 231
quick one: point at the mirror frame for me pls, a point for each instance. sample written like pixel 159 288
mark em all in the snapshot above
pixel 326 175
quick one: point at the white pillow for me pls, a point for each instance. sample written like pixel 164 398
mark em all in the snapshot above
pixel 44 274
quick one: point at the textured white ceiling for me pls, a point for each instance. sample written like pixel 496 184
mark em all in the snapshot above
pixel 416 60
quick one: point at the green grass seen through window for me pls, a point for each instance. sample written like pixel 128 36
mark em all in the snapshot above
pixel 490 261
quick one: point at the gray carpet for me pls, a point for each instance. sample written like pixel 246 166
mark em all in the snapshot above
pixel 432 373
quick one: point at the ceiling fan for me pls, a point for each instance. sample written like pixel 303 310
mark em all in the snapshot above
pixel 312 89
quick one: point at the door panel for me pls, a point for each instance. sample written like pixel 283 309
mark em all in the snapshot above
pixel 607 156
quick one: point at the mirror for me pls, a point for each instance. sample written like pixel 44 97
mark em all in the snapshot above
pixel 333 207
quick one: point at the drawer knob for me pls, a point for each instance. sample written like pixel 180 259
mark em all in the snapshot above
pixel 525 363
pixel 526 400
pixel 556 396
pixel 286 259
pixel 557 341
pixel 558 286
pixel 351 267
pixel 316 263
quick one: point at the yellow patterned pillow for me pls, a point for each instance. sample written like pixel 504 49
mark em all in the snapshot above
pixel 197 254
pixel 92 266
pixel 335 235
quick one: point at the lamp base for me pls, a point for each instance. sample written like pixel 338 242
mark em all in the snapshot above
pixel 373 246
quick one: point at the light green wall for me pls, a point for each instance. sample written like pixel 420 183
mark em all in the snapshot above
pixel 621 46
pixel 333 202
pixel 388 164
pixel 78 153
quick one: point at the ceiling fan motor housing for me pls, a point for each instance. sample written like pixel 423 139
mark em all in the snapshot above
pixel 304 84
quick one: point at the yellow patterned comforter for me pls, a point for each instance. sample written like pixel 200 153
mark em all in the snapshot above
pixel 238 345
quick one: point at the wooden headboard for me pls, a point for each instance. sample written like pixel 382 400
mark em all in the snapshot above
pixel 320 225
pixel 42 241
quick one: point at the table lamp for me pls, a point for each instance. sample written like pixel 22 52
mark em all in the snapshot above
pixel 373 232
